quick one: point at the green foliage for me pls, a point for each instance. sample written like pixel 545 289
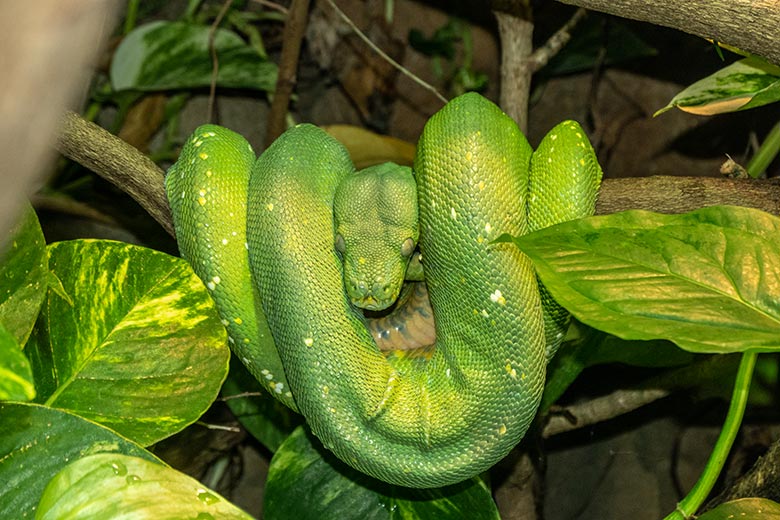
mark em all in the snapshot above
pixel 128 337
pixel 706 280
pixel 333 490
pixel 137 325
pixel 23 276
pixel 442 46
pixel 37 441
pixel 755 508
pixel 175 55
pixel 16 382
pixel 748 83
pixel 598 42
pixel 88 489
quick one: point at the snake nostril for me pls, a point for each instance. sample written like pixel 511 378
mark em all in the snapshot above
pixel 381 288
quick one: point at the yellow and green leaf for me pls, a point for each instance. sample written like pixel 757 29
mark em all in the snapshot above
pixel 708 280
pixel 23 276
pixel 748 83
pixel 109 486
pixel 37 441
pixel 138 345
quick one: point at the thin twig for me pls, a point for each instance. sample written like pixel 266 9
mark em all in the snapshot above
pixel 391 61
pixel 234 429
pixel 273 5
pixel 294 29
pixel 242 395
pixel 214 58
pixel 601 409
pixel 541 56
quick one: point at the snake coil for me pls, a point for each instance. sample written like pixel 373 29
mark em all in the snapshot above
pixel 260 233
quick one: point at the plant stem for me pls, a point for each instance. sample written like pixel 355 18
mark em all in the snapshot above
pixel 688 506
pixel 766 153
pixel 131 14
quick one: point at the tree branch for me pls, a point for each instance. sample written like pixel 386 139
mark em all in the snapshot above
pixel 117 162
pixel 138 176
pixel 516 69
pixel 601 409
pixel 750 25
pixel 541 56
pixel 294 29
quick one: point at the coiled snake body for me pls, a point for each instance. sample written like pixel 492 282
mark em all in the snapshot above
pixel 266 245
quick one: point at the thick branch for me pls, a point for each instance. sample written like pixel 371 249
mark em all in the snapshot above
pixel 750 25
pixel 666 194
pixel 136 174
pixel 516 69
pixel 118 162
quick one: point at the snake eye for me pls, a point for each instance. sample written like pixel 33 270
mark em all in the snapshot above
pixel 407 247
pixel 340 243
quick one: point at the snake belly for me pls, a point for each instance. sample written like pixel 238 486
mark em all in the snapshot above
pixel 422 421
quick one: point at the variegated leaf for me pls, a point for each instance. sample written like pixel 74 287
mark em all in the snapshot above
pixel 36 441
pixel 747 83
pixel 175 55
pixel 755 507
pixel 108 486
pixel 16 382
pixel 23 276
pixel 138 345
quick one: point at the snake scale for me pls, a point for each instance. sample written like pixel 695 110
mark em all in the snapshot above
pixel 261 234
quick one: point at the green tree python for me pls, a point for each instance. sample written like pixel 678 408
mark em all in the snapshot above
pixel 262 235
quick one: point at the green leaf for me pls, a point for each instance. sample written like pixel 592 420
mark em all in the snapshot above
pixel 596 43
pixel 268 420
pixel 109 486
pixel 23 276
pixel 16 381
pixel 747 83
pixel 592 347
pixel 140 349
pixel 443 41
pixel 708 280
pixel 755 508
pixel 175 55
pixel 303 468
pixel 36 441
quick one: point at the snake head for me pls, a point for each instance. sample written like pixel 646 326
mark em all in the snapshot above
pixel 375 212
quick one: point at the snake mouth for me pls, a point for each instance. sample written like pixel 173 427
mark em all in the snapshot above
pixel 371 304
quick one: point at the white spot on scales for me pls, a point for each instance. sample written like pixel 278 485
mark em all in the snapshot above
pixel 212 284
pixel 498 298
